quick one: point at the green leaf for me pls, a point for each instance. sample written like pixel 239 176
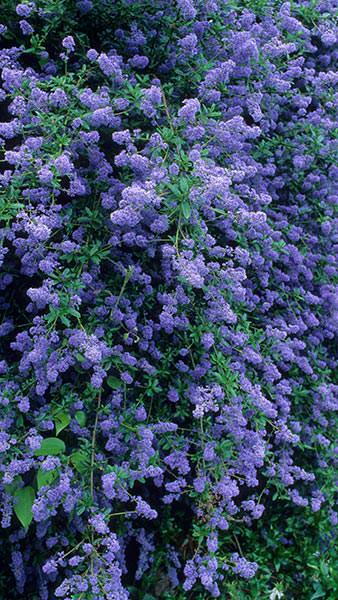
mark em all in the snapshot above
pixel 184 185
pixel 114 382
pixel 61 421
pixel 45 477
pixel 174 189
pixel 80 510
pixel 65 320
pixel 50 447
pixel 318 594
pixel 186 210
pixel 23 506
pixel 80 461
pixel 80 416
pixel 19 420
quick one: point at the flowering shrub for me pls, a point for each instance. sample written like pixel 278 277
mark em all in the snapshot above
pixel 168 299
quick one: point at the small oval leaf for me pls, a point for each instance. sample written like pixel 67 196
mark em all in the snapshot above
pixel 23 506
pixel 61 421
pixel 186 210
pixel 80 461
pixel 80 416
pixel 184 185
pixel 114 382
pixel 45 477
pixel 50 447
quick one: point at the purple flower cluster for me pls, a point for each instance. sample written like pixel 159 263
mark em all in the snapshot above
pixel 167 289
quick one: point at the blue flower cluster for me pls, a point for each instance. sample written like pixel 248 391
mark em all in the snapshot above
pixel 169 296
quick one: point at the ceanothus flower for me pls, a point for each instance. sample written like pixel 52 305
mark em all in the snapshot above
pixel 68 43
pixel 26 27
pixel 24 10
pixel 189 110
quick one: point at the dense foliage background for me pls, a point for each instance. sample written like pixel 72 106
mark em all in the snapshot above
pixel 169 299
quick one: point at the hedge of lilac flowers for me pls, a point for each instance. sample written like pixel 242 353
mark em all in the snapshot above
pixel 169 299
